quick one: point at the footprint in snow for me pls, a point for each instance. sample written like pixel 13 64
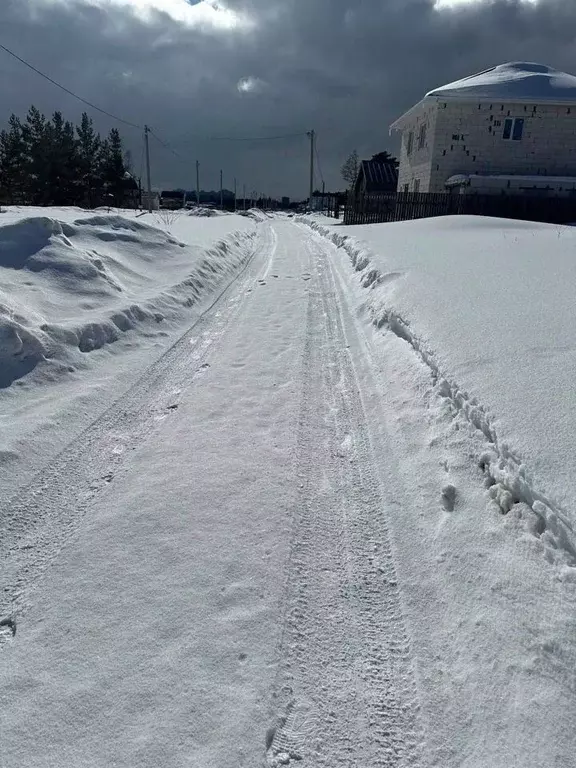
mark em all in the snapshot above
pixel 7 629
pixel 449 497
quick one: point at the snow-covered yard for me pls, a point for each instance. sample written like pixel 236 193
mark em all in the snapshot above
pixel 319 513
pixel 487 305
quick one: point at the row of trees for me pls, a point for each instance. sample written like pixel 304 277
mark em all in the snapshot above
pixel 52 162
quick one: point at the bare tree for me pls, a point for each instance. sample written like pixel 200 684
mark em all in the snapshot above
pixel 349 170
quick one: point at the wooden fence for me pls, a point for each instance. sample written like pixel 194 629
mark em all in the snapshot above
pixel 401 206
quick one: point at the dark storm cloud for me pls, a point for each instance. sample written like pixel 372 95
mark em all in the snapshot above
pixel 345 67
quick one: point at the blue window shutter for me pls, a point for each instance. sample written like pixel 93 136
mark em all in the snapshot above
pixel 518 129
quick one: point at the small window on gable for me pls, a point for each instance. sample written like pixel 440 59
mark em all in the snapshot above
pixel 422 136
pixel 410 143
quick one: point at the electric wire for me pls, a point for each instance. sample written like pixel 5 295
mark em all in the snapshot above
pixel 67 90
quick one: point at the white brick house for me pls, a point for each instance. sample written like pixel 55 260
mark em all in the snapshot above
pixel 517 119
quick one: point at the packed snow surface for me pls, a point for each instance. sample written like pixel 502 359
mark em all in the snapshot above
pixel 521 80
pixel 326 520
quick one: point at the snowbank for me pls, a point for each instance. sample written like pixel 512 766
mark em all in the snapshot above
pixel 488 307
pixel 70 287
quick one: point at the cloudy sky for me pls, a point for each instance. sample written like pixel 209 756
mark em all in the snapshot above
pixel 204 69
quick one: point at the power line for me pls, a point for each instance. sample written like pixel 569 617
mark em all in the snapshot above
pixel 165 145
pixel 67 90
pixel 188 139
pixel 256 138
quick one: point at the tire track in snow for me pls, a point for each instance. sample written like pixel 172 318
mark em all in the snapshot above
pixel 345 693
pixel 37 523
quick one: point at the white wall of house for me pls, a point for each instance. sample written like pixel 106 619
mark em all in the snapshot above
pixel 416 156
pixel 467 137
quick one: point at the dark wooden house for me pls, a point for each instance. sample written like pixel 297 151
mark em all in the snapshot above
pixel 376 176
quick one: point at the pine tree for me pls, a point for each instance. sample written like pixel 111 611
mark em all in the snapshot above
pixel 12 162
pixel 38 139
pixel 89 148
pixel 63 171
pixel 112 166
pixel 386 157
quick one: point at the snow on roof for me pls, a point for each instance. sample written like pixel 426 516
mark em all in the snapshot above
pixel 519 80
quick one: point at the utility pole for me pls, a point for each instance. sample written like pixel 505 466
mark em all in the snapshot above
pixel 221 193
pixel 323 193
pixel 312 135
pixel 234 194
pixel 197 182
pixel 148 181
pixel 244 197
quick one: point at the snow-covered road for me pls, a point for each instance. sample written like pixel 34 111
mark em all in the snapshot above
pixel 233 566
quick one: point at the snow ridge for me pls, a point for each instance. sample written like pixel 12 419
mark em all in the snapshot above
pixel 44 257
pixel 508 480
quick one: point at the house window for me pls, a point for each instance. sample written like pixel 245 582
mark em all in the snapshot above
pixel 422 136
pixel 416 185
pixel 513 128
pixel 410 143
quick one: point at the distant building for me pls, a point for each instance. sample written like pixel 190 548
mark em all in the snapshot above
pixel 376 176
pixel 155 200
pixel 509 129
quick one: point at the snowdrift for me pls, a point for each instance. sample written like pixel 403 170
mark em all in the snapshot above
pixel 487 305
pixel 68 288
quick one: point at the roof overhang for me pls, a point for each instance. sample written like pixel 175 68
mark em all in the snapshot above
pixel 399 124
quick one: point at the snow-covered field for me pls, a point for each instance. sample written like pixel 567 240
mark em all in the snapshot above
pixel 326 519
pixel 86 299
